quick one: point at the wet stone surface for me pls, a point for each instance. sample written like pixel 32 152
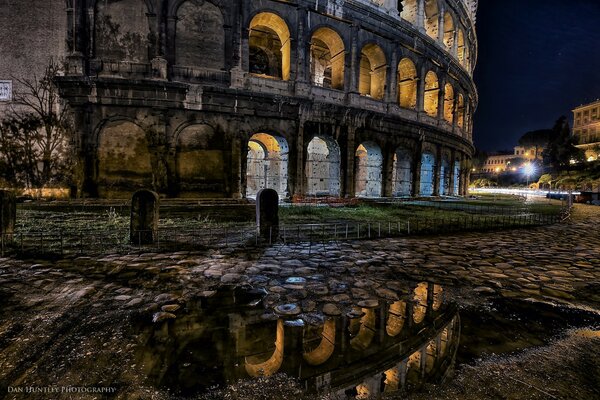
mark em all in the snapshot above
pixel 78 321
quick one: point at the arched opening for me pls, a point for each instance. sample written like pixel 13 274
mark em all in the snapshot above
pixel 460 111
pixel 444 338
pixel 420 302
pixel 396 318
pixel 271 365
pixel 121 31
pixel 267 164
pixel 403 174
pixel 427 174
pixel 124 164
pixel 431 355
pixel 407 84
pixel 432 91
pixel 270 46
pixel 200 38
pixel 373 68
pixel 362 330
pixel 323 167
pixel 326 346
pixel 438 297
pixel 448 32
pixel 432 23
pixel 457 178
pixel 460 47
pixel 392 380
pixel 369 165
pixel 445 177
pixel 413 368
pixel 327 57
pixel 409 11
pixel 449 103
pixel 200 162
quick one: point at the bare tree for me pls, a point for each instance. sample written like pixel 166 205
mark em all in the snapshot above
pixel 35 137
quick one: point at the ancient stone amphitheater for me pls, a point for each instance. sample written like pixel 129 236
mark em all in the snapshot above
pixel 220 98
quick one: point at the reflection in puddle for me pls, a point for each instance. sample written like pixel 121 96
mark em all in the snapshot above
pixel 376 348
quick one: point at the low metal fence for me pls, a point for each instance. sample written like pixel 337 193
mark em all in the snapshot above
pixel 94 242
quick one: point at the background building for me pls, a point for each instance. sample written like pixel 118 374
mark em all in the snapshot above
pixel 586 129
pixel 221 98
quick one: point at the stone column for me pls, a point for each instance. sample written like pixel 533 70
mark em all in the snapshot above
pixel 303 46
pixel 421 15
pixel 437 172
pixel 171 30
pixel 441 96
pixel 349 191
pixel 354 61
pixel 421 90
pixel 441 29
pixel 392 78
pixel 416 187
pixel 452 174
pixel 236 168
pixel 299 160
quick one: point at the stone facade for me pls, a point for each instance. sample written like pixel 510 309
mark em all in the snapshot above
pixel 214 98
pixel 586 129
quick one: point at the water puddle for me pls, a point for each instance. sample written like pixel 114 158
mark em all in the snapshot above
pixel 375 347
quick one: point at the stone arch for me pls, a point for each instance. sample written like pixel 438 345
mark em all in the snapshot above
pixel 326 347
pixel 273 363
pixel 449 103
pixel 427 174
pixel 396 318
pixel 323 166
pixel 201 161
pixel 420 302
pixel 366 329
pixel 373 70
pixel 431 96
pixel 124 159
pixel 409 11
pixel 122 31
pixel 449 29
pixel 199 36
pixel 413 368
pixel 432 16
pixel 327 59
pixel 369 167
pixel 402 173
pixel 438 297
pixel 270 46
pixel 407 84
pixel 267 164
pixel 456 188
pixel 430 356
pixel 445 176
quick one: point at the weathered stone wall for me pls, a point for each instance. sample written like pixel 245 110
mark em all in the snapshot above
pixel 31 33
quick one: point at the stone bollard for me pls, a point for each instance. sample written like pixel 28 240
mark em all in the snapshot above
pixel 267 214
pixel 144 217
pixel 8 215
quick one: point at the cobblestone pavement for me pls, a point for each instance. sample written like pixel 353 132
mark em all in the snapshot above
pixel 41 299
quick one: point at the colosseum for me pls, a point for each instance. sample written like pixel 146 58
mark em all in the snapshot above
pixel 220 98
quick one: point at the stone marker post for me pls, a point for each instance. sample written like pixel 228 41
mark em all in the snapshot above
pixel 144 217
pixel 267 214
pixel 8 216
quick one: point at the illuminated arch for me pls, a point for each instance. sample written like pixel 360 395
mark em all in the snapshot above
pixel 373 70
pixel 449 103
pixel 445 177
pixel 272 365
pixel 326 347
pixel 460 47
pixel 431 96
pixel 327 58
pixel 323 167
pixel 420 302
pixel 396 318
pixel 366 331
pixel 369 170
pixel 407 84
pixel 409 11
pixel 432 15
pixel 460 111
pixel 449 30
pixel 270 46
pixel 267 164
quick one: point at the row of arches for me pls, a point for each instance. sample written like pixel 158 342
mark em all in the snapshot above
pixel 202 163
pixel 267 168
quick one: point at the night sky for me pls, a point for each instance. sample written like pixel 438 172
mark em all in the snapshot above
pixel 538 59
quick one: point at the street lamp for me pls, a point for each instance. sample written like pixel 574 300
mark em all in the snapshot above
pixel 529 170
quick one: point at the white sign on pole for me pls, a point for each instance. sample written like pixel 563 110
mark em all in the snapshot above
pixel 5 90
